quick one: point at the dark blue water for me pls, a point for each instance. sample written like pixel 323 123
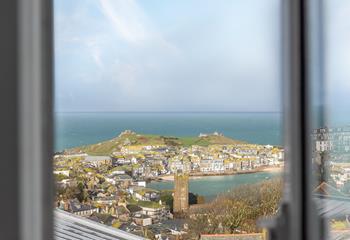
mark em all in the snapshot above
pixel 75 129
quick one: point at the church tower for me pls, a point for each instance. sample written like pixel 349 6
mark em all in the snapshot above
pixel 181 204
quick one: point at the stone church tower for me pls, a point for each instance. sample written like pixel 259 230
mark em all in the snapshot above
pixel 181 204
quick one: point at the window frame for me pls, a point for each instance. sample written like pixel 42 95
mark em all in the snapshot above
pixel 28 124
pixel 26 103
pixel 302 72
pixel 35 123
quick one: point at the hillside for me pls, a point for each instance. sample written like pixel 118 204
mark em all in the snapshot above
pixel 129 138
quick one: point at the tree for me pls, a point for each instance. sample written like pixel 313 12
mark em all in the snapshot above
pixel 192 198
pixel 167 198
pixel 238 210
pixel 60 177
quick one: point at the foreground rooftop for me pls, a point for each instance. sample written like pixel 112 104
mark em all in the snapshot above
pixel 71 227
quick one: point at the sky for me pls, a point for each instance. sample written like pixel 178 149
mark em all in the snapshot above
pixel 337 61
pixel 183 55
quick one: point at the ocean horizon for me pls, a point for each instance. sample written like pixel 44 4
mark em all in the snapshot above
pixel 74 129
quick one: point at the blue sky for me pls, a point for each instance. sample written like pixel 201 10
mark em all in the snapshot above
pixel 183 55
pixel 337 61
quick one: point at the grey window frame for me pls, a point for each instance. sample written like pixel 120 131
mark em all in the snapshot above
pixel 303 83
pixel 27 120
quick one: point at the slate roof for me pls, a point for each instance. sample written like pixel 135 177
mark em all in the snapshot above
pixel 76 206
pixel 68 226
pixel 121 210
pixel 133 208
pixel 325 189
pixel 330 202
pixel 176 224
pixel 123 177
pixel 340 235
pixel 331 207
pixel 106 219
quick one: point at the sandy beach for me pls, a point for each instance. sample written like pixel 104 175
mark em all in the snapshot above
pixel 273 169
pixel 201 175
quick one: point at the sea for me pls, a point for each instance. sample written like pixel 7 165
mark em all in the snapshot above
pixel 211 186
pixel 76 129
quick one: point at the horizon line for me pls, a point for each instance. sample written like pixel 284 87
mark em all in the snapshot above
pixel 167 112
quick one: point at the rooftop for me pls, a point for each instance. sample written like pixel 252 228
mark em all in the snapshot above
pixel 76 206
pixel 96 158
pixel 70 226
pixel 251 236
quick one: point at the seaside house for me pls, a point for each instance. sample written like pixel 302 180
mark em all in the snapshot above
pixel 156 211
pixel 205 165
pixel 98 161
pixel 105 219
pixel 145 194
pixel 122 213
pixel 169 229
pixel 142 220
pixel 230 165
pixel 123 180
pixel 134 209
pixel 66 183
pixel 77 208
pixel 179 164
pixel 174 165
pixel 62 172
pixel 122 161
pixel 139 183
pixel 138 171
pixel 215 165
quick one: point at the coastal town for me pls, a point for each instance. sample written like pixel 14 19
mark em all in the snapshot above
pixel 107 182
pixel 331 151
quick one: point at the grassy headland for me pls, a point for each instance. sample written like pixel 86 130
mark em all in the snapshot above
pixel 129 138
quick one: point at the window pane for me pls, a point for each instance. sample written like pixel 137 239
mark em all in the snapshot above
pixel 331 145
pixel 168 115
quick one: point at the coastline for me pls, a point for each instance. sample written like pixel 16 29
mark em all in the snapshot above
pixel 266 128
pixel 213 174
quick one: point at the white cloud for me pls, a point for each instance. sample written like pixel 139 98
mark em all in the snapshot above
pixel 132 24
pixel 128 19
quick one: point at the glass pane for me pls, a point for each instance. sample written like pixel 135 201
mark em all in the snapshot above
pixel 331 145
pixel 168 116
